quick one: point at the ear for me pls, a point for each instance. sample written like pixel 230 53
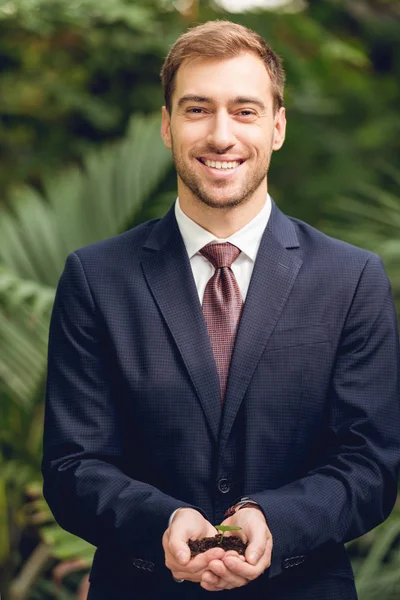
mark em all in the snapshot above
pixel 279 129
pixel 166 127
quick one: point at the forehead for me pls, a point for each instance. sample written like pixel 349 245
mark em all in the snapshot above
pixel 222 79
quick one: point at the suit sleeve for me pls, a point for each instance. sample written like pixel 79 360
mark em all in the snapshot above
pixel 85 484
pixel 354 486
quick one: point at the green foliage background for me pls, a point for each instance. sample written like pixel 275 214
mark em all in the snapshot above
pixel 81 160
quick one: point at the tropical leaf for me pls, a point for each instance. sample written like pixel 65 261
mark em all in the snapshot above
pixel 4 529
pixel 378 574
pixel 78 207
pixel 65 546
pixel 24 315
pixel 62 544
pixel 82 206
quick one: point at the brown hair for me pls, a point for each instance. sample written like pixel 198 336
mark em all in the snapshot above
pixel 221 39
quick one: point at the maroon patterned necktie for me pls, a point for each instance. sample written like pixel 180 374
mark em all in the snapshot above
pixel 222 306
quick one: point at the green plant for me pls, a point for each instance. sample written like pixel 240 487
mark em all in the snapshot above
pixel 376 561
pixel 224 528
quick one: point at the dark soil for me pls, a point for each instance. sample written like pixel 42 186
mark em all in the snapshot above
pixel 229 542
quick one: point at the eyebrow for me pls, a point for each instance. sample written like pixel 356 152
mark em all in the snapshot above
pixel 193 98
pixel 248 100
pixel 206 100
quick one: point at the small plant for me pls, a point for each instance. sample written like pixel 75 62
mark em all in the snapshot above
pixel 231 542
pixel 224 528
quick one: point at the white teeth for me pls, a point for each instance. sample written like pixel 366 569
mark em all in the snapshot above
pixel 221 165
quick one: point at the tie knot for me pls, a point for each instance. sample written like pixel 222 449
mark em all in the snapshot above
pixel 220 255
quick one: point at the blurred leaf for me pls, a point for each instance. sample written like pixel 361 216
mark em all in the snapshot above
pixel 64 545
pixel 378 575
pixel 4 532
pixel 336 48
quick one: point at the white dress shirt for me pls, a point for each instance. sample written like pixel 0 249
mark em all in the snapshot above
pixel 246 239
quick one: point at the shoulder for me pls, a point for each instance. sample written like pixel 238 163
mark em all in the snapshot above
pixel 110 259
pixel 335 264
pixel 316 243
pixel 118 247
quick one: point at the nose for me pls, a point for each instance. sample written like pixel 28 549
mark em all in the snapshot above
pixel 221 135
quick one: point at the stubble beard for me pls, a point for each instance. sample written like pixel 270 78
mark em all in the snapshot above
pixel 194 183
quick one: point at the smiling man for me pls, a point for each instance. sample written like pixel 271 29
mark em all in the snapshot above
pixel 224 117
pixel 222 137
pixel 225 363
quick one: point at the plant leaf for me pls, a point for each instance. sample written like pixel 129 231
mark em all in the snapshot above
pixel 224 528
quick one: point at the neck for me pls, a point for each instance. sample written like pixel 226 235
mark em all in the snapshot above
pixel 223 222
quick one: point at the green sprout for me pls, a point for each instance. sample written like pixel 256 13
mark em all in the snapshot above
pixel 224 528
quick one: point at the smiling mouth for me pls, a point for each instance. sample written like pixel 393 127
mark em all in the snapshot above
pixel 221 165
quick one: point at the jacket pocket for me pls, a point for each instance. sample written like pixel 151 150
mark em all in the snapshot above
pixel 298 336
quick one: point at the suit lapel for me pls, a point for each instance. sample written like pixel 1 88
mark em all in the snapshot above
pixel 274 274
pixel 168 273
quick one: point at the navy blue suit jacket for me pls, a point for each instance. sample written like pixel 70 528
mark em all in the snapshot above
pixel 310 428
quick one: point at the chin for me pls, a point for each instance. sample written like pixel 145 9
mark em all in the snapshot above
pixel 221 202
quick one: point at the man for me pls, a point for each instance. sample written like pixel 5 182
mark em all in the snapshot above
pixel 223 364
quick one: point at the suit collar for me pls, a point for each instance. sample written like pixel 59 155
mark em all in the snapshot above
pixel 279 225
pixel 247 239
pixel 282 228
pixel 274 275
pixel 169 276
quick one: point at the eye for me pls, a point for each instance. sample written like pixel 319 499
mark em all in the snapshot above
pixel 246 114
pixel 195 110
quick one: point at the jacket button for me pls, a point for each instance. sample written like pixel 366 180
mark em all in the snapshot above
pixel 223 486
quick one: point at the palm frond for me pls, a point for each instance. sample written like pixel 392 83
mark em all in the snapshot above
pixel 378 575
pixel 82 206
pixel 79 207
pixel 24 316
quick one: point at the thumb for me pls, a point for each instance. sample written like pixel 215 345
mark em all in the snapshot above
pixel 255 550
pixel 183 555
pixel 179 549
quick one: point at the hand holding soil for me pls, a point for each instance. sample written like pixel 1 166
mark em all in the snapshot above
pixel 236 571
pixel 188 524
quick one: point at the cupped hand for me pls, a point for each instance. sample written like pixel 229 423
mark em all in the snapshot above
pixel 218 577
pixel 236 572
pixel 188 524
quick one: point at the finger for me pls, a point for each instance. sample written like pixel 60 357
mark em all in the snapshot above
pixel 192 572
pixel 234 553
pixel 228 579
pixel 210 588
pixel 257 546
pixel 194 577
pixel 244 569
pixel 176 540
pixel 181 532
pixel 201 561
pixel 209 578
pixel 179 550
pixel 214 553
pixel 211 583
pixel 197 565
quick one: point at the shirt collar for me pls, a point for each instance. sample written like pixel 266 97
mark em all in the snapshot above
pixel 247 239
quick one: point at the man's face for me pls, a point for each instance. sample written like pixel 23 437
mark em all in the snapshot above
pixel 222 129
